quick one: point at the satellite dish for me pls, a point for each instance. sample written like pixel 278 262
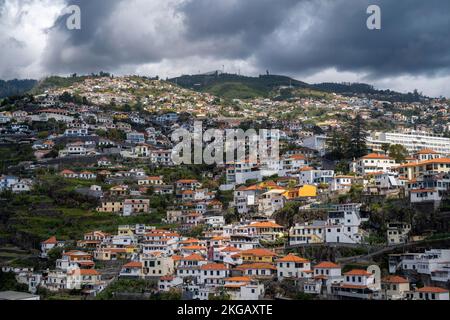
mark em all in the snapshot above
pixel 374 269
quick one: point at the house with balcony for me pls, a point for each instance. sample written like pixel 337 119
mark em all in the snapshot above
pixel 190 267
pixel 132 269
pixel 156 265
pixel 257 270
pixel 293 267
pixel 213 274
pixel 307 232
pixel 357 284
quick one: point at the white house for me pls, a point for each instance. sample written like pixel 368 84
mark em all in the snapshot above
pixel 431 293
pixel 374 162
pixel 212 274
pixel 271 201
pixel 341 183
pixel 358 284
pixel 343 224
pixel 292 266
pixel 311 176
pixel 308 232
pixel 166 283
pixel 132 269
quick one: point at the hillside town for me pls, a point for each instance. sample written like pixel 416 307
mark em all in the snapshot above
pixel 93 205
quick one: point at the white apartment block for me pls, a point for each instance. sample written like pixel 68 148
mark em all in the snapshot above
pixel 343 224
pixel 435 263
pixel 308 232
pixel 413 141
pixel 310 176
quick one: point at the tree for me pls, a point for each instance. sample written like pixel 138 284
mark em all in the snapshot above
pixel 357 136
pixel 342 167
pixel 336 145
pixel 398 152
pixel 385 147
pixel 8 282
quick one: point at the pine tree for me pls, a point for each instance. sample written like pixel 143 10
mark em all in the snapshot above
pixel 357 135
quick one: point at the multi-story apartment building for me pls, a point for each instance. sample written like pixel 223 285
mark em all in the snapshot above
pixel 312 176
pixel 435 263
pixel 413 141
pixel 308 232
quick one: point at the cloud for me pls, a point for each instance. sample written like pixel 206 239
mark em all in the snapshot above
pixel 309 39
pixel 23 25
pixel 414 39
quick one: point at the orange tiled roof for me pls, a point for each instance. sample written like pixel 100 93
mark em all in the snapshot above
pixel 89 272
pixel 238 279
pixel 358 272
pixel 193 257
pixel 214 266
pixel 395 279
pixel 432 290
pixel 259 252
pixel 258 265
pixel 427 151
pixel 327 265
pixel 133 264
pixel 189 241
pixel 293 258
pixel 265 224
pixel 187 181
pixel 51 240
pixel 376 156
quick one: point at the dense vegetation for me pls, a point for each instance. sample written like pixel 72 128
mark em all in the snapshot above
pixel 369 91
pixel 15 87
pixel 13 154
pixel 55 208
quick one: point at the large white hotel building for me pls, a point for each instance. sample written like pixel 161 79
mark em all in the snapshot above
pixel 413 141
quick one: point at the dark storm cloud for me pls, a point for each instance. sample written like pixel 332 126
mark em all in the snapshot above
pixel 247 22
pixel 414 40
pixel 291 36
pixel 89 47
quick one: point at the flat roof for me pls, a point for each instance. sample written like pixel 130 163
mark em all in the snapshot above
pixel 15 295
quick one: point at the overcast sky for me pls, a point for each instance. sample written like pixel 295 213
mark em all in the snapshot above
pixel 311 40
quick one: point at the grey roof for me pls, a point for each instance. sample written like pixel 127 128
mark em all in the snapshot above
pixel 15 295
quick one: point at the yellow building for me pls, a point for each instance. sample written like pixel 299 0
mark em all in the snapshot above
pixel 110 206
pixel 307 191
pixel 125 231
pixel 257 255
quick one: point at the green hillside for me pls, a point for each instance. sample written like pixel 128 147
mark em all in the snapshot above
pixel 232 86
